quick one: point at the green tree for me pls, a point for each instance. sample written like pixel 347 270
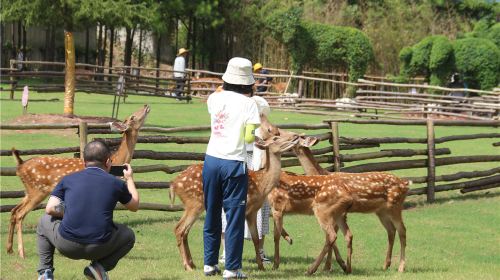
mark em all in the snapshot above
pixel 72 14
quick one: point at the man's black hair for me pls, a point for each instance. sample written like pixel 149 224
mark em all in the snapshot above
pixel 243 89
pixel 96 152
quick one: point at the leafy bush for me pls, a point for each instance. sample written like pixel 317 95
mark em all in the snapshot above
pixel 478 60
pixel 436 58
pixel 322 46
pixel 494 34
pixel 441 60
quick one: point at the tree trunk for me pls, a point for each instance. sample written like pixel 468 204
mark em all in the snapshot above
pixel 13 38
pixel 19 35
pixel 139 63
pixel 158 54
pixel 24 43
pixel 195 39
pixel 69 78
pixel 87 45
pixel 99 45
pixel 111 46
pixel 103 55
pixel 127 60
pixel 176 34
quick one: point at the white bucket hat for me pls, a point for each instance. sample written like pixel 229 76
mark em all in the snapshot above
pixel 239 72
pixel 262 105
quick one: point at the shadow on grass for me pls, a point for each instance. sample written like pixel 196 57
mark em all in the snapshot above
pixel 151 221
pixel 442 200
pixel 296 267
pixel 32 100
pixel 161 278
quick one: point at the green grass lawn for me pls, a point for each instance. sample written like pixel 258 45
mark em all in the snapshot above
pixel 456 238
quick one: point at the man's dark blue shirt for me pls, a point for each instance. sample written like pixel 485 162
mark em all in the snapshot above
pixel 90 197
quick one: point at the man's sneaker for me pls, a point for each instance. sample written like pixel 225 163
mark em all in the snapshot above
pixel 211 270
pixel 95 271
pixel 46 275
pixel 233 274
pixel 265 259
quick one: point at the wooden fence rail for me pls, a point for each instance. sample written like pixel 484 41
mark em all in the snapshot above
pixel 331 154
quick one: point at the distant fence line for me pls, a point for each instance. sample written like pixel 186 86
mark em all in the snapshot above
pixel 332 154
pixel 314 92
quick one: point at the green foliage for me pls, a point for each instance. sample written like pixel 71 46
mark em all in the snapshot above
pixel 441 60
pixel 322 46
pixel 405 56
pixel 435 57
pixel 494 34
pixel 478 60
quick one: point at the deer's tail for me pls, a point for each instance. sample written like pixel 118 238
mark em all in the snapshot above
pixel 15 154
pixel 172 194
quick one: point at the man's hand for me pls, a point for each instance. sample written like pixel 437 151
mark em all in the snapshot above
pixel 55 207
pixel 133 204
pixel 128 172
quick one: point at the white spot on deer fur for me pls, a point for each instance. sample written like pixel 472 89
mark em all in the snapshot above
pixel 33 170
pixel 180 185
pixel 198 174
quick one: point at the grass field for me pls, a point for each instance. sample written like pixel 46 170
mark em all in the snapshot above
pixel 456 238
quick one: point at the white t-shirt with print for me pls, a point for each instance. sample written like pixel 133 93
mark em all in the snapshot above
pixel 230 112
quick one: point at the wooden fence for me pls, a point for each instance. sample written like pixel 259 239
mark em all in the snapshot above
pixel 332 153
pixel 49 77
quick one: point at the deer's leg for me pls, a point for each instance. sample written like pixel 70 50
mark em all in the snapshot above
pixel 286 236
pixel 191 219
pixel 22 211
pixel 252 226
pixel 342 223
pixel 338 258
pixel 397 220
pixel 12 225
pixel 181 234
pixel 391 233
pixel 278 231
pixel 330 237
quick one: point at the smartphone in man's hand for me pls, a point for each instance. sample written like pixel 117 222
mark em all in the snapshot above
pixel 117 170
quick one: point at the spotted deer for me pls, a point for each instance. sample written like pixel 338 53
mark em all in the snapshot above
pixel 372 192
pixel 188 187
pixel 40 175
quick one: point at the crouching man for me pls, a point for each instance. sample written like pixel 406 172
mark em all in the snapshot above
pixel 79 217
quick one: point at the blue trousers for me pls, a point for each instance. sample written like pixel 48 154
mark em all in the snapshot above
pixel 225 184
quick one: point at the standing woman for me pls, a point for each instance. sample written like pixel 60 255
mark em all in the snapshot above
pixel 234 118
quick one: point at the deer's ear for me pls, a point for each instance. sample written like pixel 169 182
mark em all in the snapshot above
pixel 308 141
pixel 118 126
pixel 261 144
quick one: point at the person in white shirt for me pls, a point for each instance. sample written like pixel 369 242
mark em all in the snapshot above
pixel 254 162
pixel 234 118
pixel 180 71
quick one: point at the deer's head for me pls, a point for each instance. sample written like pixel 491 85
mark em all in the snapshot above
pixel 277 144
pixel 134 121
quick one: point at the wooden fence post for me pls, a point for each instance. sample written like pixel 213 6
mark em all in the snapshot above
pixel 334 126
pixel 83 131
pixel 12 79
pixel 431 161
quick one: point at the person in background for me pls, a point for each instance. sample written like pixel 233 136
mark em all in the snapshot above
pixel 262 83
pixel 79 217
pixel 180 71
pixel 254 162
pixel 20 57
pixel 234 118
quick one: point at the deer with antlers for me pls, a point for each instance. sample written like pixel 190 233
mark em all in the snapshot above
pixel 372 192
pixel 41 174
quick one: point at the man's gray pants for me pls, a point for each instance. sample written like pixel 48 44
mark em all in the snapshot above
pixel 107 254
